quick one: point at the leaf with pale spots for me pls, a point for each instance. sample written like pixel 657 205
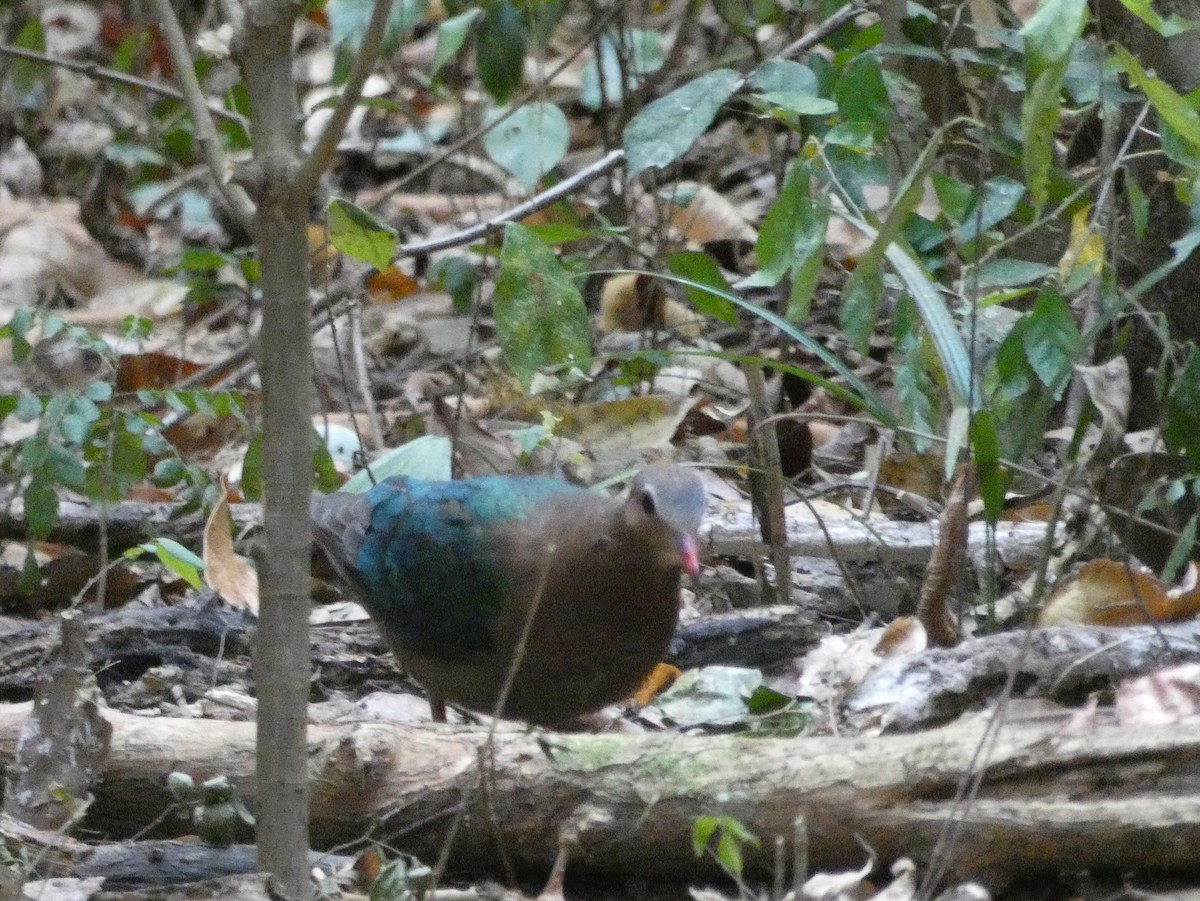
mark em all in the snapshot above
pixel 540 316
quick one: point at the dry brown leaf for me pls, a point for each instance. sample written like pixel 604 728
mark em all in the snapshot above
pixel 391 285
pixel 709 216
pixel 901 637
pixel 225 571
pixel 152 369
pixel 1108 593
pixel 631 302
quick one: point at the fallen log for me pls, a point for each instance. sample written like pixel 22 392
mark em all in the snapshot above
pixel 1112 799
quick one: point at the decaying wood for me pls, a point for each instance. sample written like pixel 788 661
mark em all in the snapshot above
pixel 1062 663
pixel 206 644
pixel 133 864
pixel 1110 799
pixel 202 640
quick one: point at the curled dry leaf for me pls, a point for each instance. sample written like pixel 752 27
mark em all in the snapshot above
pixel 838 886
pixel 840 663
pixel 709 216
pixel 225 571
pixel 1108 593
pixel 631 302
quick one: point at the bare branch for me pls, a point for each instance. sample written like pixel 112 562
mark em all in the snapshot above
pixel 560 190
pixel 322 154
pixel 206 132
pixel 101 73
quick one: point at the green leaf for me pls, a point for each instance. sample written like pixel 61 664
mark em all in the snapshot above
pixel 559 232
pixel 954 196
pixel 1181 553
pixel 667 128
pixel 252 469
pixel 529 143
pixel 178 559
pixel 1169 27
pixel 16 330
pixel 1003 272
pixel 1139 206
pixel 862 299
pixel 500 50
pixel 1048 38
pixel 168 471
pixel 1175 110
pixel 784 75
pixel 1001 196
pixel 325 474
pixel 31 573
pixel 27 79
pixel 540 316
pixel 914 387
pixel 41 507
pixel 1040 113
pixel 862 96
pixel 801 104
pixel 1182 433
pixel 986 443
pixel 457 277
pixel 427 457
pixel 792 233
pixel 643 53
pixel 128 462
pixel 348 20
pixel 702 830
pixel 700 267
pixel 74 428
pixel 1052 341
pixel 451 35
pixel 29 406
pixel 1050 34
pixel 65 466
pixel 361 234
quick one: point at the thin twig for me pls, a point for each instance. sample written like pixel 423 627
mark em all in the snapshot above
pixel 239 202
pixel 364 62
pixel 473 136
pixel 541 201
pixel 489 741
pixel 101 73
pixel 363 377
pixel 824 30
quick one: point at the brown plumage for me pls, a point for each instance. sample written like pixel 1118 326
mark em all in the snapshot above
pixel 450 571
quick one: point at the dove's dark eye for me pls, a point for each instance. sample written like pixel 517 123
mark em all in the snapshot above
pixel 648 502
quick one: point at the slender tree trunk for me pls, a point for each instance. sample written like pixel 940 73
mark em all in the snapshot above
pixel 281 662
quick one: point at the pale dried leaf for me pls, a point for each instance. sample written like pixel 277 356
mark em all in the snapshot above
pixel 1159 699
pixel 70 28
pixel 225 571
pixel 847 886
pixel 631 423
pixel 709 216
pixel 904 882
